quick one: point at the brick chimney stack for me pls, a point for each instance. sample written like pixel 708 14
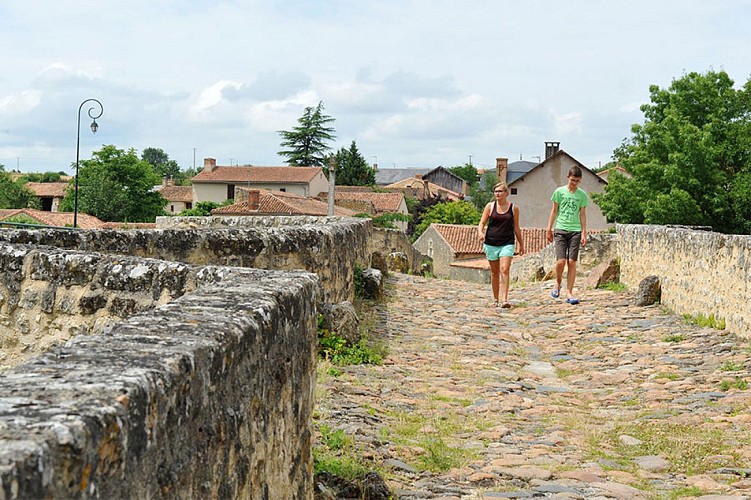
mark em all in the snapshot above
pixel 254 197
pixel 501 169
pixel 209 164
pixel 551 148
pixel 375 167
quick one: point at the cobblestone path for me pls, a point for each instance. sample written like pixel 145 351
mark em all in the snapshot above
pixel 599 400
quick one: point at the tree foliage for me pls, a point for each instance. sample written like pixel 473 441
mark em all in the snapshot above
pixel 690 159
pixel 163 166
pixel 45 177
pixel 453 212
pixel 307 144
pixel 352 169
pixel 116 186
pixel 482 192
pixel 467 172
pixel 15 194
pixel 203 208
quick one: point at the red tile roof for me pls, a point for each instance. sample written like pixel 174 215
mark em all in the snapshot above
pixel 280 203
pixel 302 175
pixel 177 193
pixel 461 238
pixel 59 219
pixel 382 202
pixel 413 183
pixel 54 189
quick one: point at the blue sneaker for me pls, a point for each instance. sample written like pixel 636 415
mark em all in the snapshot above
pixel 572 300
pixel 555 293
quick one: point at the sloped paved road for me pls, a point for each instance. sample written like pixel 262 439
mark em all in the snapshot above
pixel 599 400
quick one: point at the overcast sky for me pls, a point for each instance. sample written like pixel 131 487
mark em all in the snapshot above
pixel 416 83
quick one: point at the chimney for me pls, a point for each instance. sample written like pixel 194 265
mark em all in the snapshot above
pixel 551 148
pixel 165 180
pixel 209 164
pixel 254 197
pixel 501 169
pixel 375 167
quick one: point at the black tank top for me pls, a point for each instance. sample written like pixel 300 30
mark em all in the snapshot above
pixel 500 228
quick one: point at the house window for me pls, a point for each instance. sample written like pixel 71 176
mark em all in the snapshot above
pixel 188 205
pixel 230 191
pixel 172 208
pixel 283 190
pixel 513 190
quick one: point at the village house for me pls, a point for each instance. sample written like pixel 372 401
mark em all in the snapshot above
pixel 50 194
pixel 263 202
pixel 439 177
pixel 531 190
pixel 369 202
pixel 178 198
pixel 219 183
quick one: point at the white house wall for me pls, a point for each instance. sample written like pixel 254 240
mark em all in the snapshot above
pixel 534 190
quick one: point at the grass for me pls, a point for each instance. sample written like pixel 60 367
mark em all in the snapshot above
pixel 705 321
pixel 430 438
pixel 690 449
pixel 737 383
pixel 674 337
pixel 731 366
pixel 613 287
pixel 668 375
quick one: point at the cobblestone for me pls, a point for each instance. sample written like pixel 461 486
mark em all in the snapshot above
pixel 602 399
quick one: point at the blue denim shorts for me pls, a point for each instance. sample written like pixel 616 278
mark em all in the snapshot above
pixel 495 253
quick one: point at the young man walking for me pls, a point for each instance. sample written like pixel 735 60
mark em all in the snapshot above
pixel 567 226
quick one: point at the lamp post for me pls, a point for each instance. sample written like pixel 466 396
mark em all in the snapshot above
pixel 94 127
pixel 332 181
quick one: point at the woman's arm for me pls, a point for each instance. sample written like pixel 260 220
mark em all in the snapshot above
pixel 518 232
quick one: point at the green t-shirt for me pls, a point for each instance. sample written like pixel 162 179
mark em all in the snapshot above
pixel 569 208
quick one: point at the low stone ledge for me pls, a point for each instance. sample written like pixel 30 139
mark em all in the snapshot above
pixel 326 246
pixel 208 396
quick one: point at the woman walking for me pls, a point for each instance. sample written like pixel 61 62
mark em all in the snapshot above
pixel 502 236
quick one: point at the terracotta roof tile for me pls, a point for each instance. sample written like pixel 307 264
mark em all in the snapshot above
pixel 177 193
pixel 382 202
pixel 418 184
pixel 461 238
pixel 59 219
pixel 54 189
pixel 247 174
pixel 280 203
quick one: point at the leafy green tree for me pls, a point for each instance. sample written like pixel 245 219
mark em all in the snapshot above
pixel 15 194
pixel 482 192
pixel 453 212
pixel 162 165
pixel 45 177
pixel 202 209
pixel 352 169
pixel 690 159
pixel 307 143
pixel 467 172
pixel 116 186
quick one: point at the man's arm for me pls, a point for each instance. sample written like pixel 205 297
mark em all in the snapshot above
pixel 551 221
pixel 583 218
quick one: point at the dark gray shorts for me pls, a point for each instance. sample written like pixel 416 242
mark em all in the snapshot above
pixel 567 244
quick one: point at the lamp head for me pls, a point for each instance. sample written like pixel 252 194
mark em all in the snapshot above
pixel 94 126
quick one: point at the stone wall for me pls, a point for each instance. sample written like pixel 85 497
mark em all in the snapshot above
pixel 207 396
pixel 700 272
pixel 326 246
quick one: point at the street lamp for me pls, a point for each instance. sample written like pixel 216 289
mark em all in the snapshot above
pixel 94 128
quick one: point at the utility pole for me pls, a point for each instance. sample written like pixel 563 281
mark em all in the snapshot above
pixel 470 160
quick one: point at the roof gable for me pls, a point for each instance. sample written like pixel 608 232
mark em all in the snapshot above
pixel 549 160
